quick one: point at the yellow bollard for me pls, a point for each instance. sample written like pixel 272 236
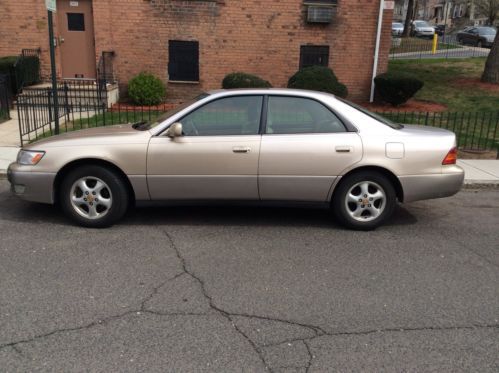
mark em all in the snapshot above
pixel 435 43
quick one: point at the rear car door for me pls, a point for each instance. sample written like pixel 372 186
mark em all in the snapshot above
pixel 217 156
pixel 304 148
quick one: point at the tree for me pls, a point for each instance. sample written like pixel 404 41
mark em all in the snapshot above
pixel 491 71
pixel 487 8
pixel 408 18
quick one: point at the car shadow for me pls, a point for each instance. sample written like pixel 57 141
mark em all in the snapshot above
pixel 20 211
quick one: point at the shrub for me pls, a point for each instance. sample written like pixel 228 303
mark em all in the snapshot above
pixel 27 72
pixel 243 80
pixel 318 78
pixel 397 88
pixel 146 89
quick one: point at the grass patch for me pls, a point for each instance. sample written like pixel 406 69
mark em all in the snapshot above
pixel 443 83
pixel 420 45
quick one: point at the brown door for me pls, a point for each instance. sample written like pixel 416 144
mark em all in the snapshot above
pixel 76 38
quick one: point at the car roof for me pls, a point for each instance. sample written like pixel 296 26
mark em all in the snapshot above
pixel 273 91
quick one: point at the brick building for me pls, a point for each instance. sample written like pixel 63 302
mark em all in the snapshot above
pixel 192 45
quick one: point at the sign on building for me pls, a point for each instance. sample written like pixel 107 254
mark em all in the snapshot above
pixel 51 5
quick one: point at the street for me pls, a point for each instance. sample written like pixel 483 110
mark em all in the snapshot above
pixel 242 289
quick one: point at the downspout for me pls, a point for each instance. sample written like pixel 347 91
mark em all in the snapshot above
pixel 376 50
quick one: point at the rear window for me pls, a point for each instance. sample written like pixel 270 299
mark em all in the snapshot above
pixel 378 117
pixel 486 31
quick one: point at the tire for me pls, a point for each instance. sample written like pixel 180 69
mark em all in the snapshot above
pixel 372 215
pixel 94 196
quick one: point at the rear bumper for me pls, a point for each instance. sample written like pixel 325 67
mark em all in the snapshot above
pixel 419 187
pixel 31 186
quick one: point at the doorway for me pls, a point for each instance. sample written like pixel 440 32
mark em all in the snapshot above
pixel 76 39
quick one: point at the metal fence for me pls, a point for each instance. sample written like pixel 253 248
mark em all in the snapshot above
pixel 81 104
pixel 448 46
pixel 84 104
pixel 476 131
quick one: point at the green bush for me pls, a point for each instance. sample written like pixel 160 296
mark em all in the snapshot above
pixel 26 72
pixel 243 80
pixel 397 88
pixel 146 89
pixel 318 78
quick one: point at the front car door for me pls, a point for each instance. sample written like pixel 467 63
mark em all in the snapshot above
pixel 304 148
pixel 217 156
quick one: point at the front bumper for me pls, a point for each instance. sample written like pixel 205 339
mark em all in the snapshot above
pixel 419 187
pixel 29 185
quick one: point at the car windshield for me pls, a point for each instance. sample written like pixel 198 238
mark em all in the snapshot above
pixel 178 109
pixel 378 117
pixel 422 24
pixel 397 25
pixel 486 31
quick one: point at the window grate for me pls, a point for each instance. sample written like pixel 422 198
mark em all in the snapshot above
pixel 183 62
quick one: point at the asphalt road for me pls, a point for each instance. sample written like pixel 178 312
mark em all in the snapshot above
pixel 249 290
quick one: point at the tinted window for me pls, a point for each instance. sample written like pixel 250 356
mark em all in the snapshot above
pixel 227 116
pixel 76 22
pixel 300 115
pixel 183 64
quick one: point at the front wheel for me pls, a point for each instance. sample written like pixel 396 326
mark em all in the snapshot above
pixel 364 200
pixel 94 196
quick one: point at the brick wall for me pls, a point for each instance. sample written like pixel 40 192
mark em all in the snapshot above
pixel 256 36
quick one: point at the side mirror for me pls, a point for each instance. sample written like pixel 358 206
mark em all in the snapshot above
pixel 175 130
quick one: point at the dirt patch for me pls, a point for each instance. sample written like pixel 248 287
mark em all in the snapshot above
pixel 476 83
pixel 410 106
pixel 135 108
pixel 471 154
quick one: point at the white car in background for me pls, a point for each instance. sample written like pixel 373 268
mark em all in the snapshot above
pixel 397 28
pixel 422 29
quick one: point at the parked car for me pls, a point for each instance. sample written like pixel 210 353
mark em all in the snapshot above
pixel 397 28
pixel 422 29
pixel 477 36
pixel 267 146
pixel 439 30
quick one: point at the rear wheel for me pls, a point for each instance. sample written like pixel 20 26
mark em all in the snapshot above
pixel 364 200
pixel 94 196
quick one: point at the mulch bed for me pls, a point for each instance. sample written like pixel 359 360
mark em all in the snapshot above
pixel 410 106
pixel 128 107
pixel 477 83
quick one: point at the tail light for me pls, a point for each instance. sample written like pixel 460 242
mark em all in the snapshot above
pixel 451 157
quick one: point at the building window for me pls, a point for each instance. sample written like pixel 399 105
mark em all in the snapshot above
pixel 183 62
pixel 312 55
pixel 76 21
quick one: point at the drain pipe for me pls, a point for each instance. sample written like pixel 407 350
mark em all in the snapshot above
pixel 376 50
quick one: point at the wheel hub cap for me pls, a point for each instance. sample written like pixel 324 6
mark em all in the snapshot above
pixel 365 201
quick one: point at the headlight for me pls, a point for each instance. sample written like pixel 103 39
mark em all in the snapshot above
pixel 29 157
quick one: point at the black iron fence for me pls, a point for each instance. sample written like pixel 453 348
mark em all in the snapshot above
pixel 477 131
pixel 76 99
pixel 85 104
pixel 447 46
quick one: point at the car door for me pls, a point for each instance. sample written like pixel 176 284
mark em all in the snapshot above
pixel 217 156
pixel 304 148
pixel 471 36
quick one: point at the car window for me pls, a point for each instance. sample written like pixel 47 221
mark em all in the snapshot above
pixel 487 31
pixel 289 115
pixel 238 115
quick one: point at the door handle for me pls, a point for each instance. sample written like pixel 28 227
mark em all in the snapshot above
pixel 343 149
pixel 241 149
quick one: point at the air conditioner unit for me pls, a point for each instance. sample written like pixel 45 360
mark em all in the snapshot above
pixel 319 14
